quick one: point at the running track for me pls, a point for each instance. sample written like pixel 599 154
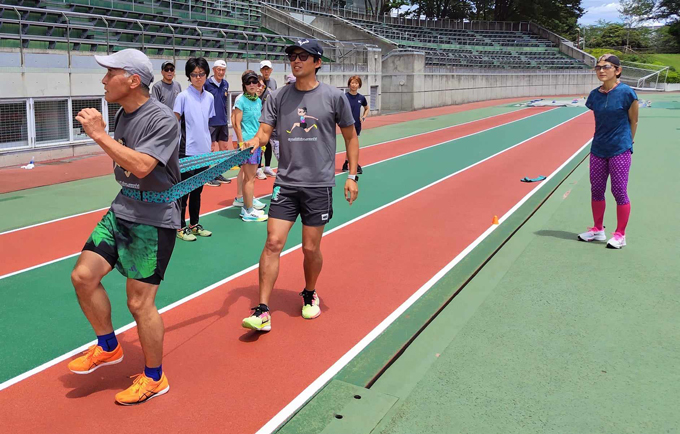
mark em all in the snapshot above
pixel 224 377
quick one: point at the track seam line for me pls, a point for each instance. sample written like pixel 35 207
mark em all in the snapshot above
pixel 207 289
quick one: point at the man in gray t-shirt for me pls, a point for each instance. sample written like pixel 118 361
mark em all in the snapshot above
pixel 135 237
pixel 305 116
pixel 167 89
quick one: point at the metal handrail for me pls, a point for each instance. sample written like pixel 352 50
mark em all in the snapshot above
pixel 141 27
pixel 106 23
pixel 68 38
pixel 200 42
pixel 21 38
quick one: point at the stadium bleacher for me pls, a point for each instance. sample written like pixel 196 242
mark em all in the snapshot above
pixel 232 29
pixel 476 48
pixel 99 26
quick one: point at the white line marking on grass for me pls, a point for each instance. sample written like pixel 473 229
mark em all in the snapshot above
pixel 337 174
pixel 283 415
pixel 290 408
pixel 337 153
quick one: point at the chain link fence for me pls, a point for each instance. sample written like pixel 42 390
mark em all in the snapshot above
pixel 51 121
pixel 13 125
pixel 35 123
pixel 76 106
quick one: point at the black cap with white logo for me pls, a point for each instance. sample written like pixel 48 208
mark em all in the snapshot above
pixel 311 46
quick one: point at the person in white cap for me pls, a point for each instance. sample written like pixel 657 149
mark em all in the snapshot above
pixel 270 86
pixel 136 236
pixel 266 71
pixel 219 124
pixel 167 89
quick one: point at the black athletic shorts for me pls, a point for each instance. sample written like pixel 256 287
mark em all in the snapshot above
pixel 313 204
pixel 137 251
pixel 220 133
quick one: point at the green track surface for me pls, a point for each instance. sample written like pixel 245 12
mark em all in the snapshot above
pixel 26 207
pixel 552 335
pixel 35 302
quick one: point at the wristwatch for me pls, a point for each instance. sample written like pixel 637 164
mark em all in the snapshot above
pixel 354 178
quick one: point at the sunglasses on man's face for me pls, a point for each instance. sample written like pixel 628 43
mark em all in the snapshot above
pixel 605 67
pixel 169 69
pixel 197 75
pixel 302 56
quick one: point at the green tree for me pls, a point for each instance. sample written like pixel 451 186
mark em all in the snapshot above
pixel 634 13
pixel 451 9
pixel 670 10
pixel 560 16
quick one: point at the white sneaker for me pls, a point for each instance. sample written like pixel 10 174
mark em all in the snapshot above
pixel 260 174
pixel 238 201
pixel 257 204
pixel 269 172
pixel 254 216
pixel 593 234
pixel 617 241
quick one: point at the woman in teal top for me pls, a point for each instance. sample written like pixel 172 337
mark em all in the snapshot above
pixel 247 111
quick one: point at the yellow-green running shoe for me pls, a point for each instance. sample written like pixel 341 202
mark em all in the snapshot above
pixel 197 229
pixel 260 320
pixel 185 234
pixel 310 304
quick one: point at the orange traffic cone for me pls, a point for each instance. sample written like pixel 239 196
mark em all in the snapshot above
pixel 495 220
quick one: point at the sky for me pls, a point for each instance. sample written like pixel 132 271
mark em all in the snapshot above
pixel 607 10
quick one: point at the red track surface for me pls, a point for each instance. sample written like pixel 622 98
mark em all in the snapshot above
pixel 228 380
pixel 69 235
pixel 74 168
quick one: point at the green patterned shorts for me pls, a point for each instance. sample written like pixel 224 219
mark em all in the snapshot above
pixel 137 251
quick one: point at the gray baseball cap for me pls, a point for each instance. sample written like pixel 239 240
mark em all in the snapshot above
pixel 131 61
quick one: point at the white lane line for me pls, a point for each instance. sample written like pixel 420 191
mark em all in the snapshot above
pixel 290 409
pixel 337 153
pixel 71 353
pixel 338 174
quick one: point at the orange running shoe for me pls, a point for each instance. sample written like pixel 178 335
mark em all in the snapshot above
pixel 143 389
pixel 95 357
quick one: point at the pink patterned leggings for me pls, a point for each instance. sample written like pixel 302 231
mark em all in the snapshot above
pixel 619 168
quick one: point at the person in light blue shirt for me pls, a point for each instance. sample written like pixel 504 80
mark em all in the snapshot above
pixel 247 111
pixel 194 107
pixel 615 107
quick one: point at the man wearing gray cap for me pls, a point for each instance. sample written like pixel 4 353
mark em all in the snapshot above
pixel 167 89
pixel 135 236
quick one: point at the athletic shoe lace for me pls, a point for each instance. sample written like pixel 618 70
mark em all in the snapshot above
pixel 93 352
pixel 593 229
pixel 307 297
pixel 141 382
pixel 198 227
pixel 617 236
pixel 258 311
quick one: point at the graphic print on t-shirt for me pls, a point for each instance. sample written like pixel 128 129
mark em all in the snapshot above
pixel 302 113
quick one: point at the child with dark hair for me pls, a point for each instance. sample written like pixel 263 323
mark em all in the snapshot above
pixel 194 107
pixel 616 116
